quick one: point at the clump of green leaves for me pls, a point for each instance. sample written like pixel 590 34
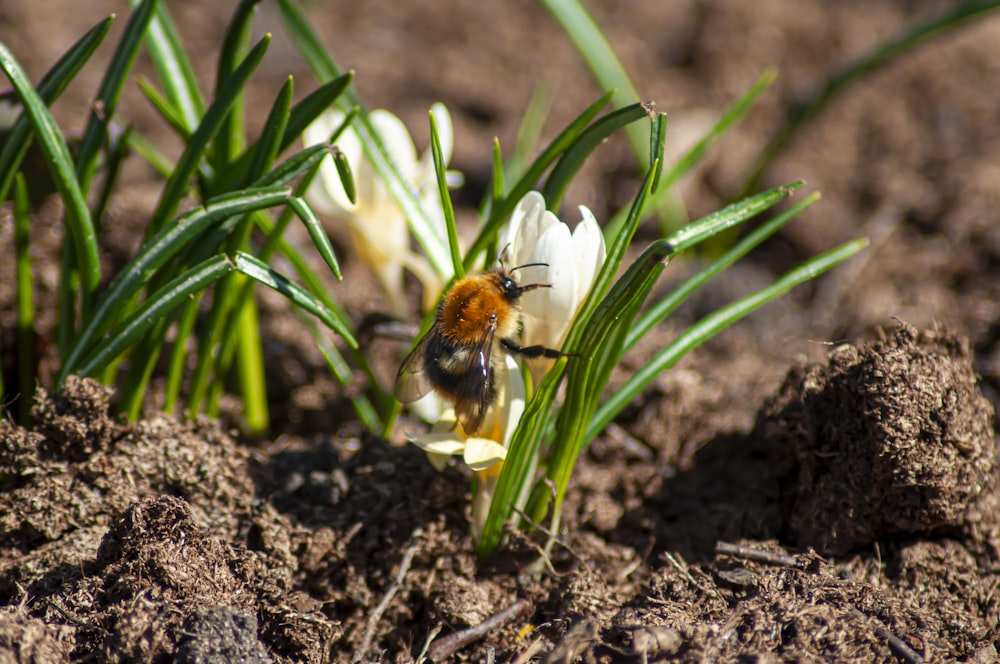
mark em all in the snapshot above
pixel 240 186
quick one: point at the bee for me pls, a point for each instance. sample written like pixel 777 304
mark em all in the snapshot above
pixel 462 356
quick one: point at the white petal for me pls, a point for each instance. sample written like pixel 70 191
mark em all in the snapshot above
pixel 553 306
pixel 444 442
pixel 589 251
pixel 438 461
pixel 397 141
pixel 481 453
pixel 527 223
pixel 514 398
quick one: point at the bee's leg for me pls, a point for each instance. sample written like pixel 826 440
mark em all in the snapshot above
pixel 531 352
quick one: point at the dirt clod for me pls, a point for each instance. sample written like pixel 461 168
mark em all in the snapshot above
pixel 219 635
pixel 890 437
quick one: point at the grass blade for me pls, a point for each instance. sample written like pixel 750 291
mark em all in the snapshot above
pixel 167 110
pixel 446 206
pixel 266 149
pixel 913 35
pixel 49 89
pixel 177 184
pixel 294 166
pixel 318 235
pixel 300 117
pixel 711 325
pixel 324 68
pixel 684 165
pixel 729 216
pixel 568 166
pixel 176 236
pixel 25 339
pixel 517 467
pixel 500 212
pixel 108 94
pixel 78 222
pixel 302 298
pixel 601 58
pixel 153 310
pixel 174 68
pixel 676 297
pixel 232 136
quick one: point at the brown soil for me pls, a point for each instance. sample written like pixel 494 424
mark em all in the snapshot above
pixel 770 499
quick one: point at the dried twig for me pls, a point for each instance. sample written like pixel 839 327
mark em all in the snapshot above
pixel 896 644
pixel 452 643
pixel 422 657
pixel 528 653
pixel 404 566
pixel 756 555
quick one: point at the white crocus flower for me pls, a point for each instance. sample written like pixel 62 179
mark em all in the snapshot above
pixel 571 263
pixel 376 226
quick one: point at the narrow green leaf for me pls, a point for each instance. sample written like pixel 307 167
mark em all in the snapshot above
pixel 515 473
pixel 346 175
pixel 316 102
pixel 174 237
pixel 170 113
pixel 106 102
pixel 498 178
pixel 255 269
pixel 232 135
pixel 375 150
pixel 318 235
pixel 301 116
pixel 78 222
pixel 385 401
pixel 159 161
pixel 177 184
pixel 684 165
pixel 600 57
pixel 663 308
pixel 266 149
pixel 446 206
pixel 25 305
pixel 729 216
pixel 363 407
pixel 657 137
pixel 166 299
pixel 500 213
pixel 253 383
pixel 568 166
pixel 173 67
pixel 529 131
pixel 114 159
pixel 178 356
pixel 711 325
pixel 293 167
pixel 49 89
pixel 955 15
pixel 587 342
pixel 606 275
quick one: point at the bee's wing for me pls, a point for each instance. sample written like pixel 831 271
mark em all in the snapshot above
pixel 472 408
pixel 411 380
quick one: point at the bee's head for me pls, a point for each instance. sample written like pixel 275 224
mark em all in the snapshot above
pixel 511 290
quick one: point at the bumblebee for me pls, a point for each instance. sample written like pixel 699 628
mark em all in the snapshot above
pixel 462 356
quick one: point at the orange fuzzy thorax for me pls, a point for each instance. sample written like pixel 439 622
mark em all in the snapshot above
pixel 473 306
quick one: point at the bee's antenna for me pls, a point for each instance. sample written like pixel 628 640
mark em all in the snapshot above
pixel 529 265
pixel 503 255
